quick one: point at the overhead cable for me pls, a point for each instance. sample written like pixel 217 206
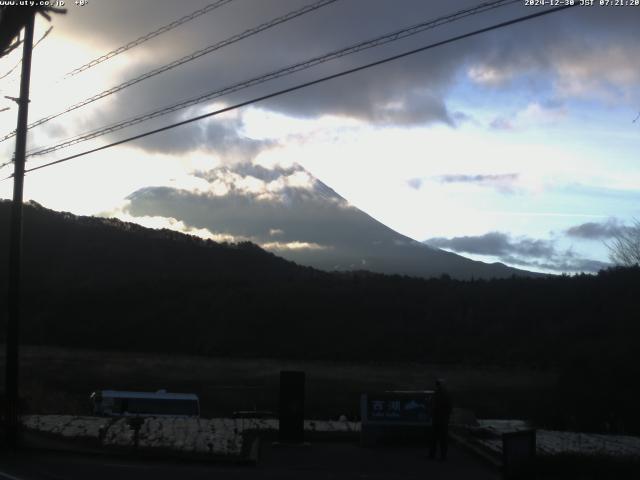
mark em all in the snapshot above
pixel 182 61
pixel 34 46
pixel 148 36
pixel 305 85
pixel 306 64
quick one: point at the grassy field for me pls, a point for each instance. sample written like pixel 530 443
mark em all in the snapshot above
pixel 57 380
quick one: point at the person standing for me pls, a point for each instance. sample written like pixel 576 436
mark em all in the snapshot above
pixel 442 406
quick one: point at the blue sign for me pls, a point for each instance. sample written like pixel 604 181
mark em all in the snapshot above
pixel 396 407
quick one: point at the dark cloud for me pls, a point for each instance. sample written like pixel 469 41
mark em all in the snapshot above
pixel 521 251
pixel 411 91
pixel 408 92
pixel 569 264
pixel 597 230
pixel 221 136
pixel 495 243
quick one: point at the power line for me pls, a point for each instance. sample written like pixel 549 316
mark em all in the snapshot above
pixel 381 40
pixel 148 36
pixel 11 48
pixel 126 47
pixel 44 35
pixel 34 46
pixel 181 61
pixel 306 84
pixel 279 73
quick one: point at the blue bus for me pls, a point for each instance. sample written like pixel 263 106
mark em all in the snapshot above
pixel 118 403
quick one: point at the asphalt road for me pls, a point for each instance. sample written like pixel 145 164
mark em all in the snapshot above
pixel 315 461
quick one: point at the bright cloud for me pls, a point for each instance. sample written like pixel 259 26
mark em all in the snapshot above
pixel 279 246
pixel 170 223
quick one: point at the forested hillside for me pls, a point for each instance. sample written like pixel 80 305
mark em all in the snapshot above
pixel 107 284
pixel 103 284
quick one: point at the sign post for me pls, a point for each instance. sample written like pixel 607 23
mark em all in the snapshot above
pixel 291 411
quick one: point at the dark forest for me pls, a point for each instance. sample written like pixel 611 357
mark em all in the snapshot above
pixel 105 284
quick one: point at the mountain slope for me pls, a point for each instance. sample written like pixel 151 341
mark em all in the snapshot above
pixel 289 212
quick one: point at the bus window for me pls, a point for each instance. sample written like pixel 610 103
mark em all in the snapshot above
pixel 151 404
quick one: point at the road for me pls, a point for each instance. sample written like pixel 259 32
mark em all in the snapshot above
pixel 315 461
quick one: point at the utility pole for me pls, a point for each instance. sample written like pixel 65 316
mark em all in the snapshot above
pixel 15 245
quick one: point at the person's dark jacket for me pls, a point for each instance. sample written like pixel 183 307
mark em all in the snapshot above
pixel 442 406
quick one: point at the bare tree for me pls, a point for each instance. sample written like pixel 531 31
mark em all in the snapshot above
pixel 624 249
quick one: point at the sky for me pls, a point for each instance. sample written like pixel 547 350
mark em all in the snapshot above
pixel 518 145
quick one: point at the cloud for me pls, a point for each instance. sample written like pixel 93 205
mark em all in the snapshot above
pixel 536 113
pixel 561 265
pixel 257 182
pixel 251 182
pixel 504 183
pixel 279 246
pixel 495 243
pixel 415 183
pixel 598 230
pixel 170 223
pixel 280 207
pixel 488 76
pixel 405 93
pixel 501 123
pixel 222 137
pixel 586 53
pixel 607 72
pixel 521 251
